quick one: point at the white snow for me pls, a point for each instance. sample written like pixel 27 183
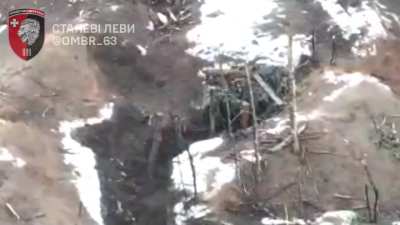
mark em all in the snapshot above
pixel 270 221
pixel 83 159
pixel 329 218
pixel 211 172
pixel 195 211
pixel 248 155
pixel 114 7
pixel 233 32
pixel 6 156
pixel 277 125
pixel 342 217
pixel 143 50
pixel 163 18
pixel 281 124
pixel 150 26
pixel 346 81
pixel 355 19
pixel 363 20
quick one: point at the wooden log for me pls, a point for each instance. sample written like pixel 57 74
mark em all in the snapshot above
pixel 268 89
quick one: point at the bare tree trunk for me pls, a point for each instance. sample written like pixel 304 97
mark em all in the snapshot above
pixel 193 168
pixel 333 51
pixel 257 170
pixel 211 112
pixel 183 144
pixel 293 105
pixel 226 99
pixel 155 146
pixel 314 56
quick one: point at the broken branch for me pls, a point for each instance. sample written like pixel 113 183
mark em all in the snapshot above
pixel 226 100
pixel 268 89
pixel 286 141
pixel 13 212
pixel 293 105
pixel 255 134
pixel 340 196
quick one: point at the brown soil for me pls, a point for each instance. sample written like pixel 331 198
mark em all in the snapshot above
pixel 333 159
pixel 385 64
pixel 66 83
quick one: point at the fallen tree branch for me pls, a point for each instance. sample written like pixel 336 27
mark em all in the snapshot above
pixel 268 89
pixel 323 153
pixel 372 212
pixel 193 168
pixel 282 144
pixel 286 141
pixel 341 196
pixel 302 137
pixel 183 144
pixel 35 216
pixel 13 212
pixel 300 192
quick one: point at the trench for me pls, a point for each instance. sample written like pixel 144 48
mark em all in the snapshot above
pixel 121 146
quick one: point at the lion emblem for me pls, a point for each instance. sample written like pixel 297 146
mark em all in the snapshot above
pixel 29 31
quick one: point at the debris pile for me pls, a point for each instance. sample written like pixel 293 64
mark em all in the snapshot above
pixel 388 137
pixel 227 97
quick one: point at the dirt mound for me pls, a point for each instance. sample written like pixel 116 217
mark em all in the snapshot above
pixel 384 65
pixel 338 110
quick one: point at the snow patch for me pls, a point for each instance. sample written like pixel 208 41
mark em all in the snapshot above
pixel 270 221
pixel 83 159
pixel 114 8
pixel 143 50
pixel 211 172
pixel 363 20
pixel 355 19
pixel 211 175
pixel 196 211
pixel 150 26
pixel 240 38
pixel 329 218
pixel 249 155
pixel 348 81
pixel 340 217
pixel 280 124
pixel 6 156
